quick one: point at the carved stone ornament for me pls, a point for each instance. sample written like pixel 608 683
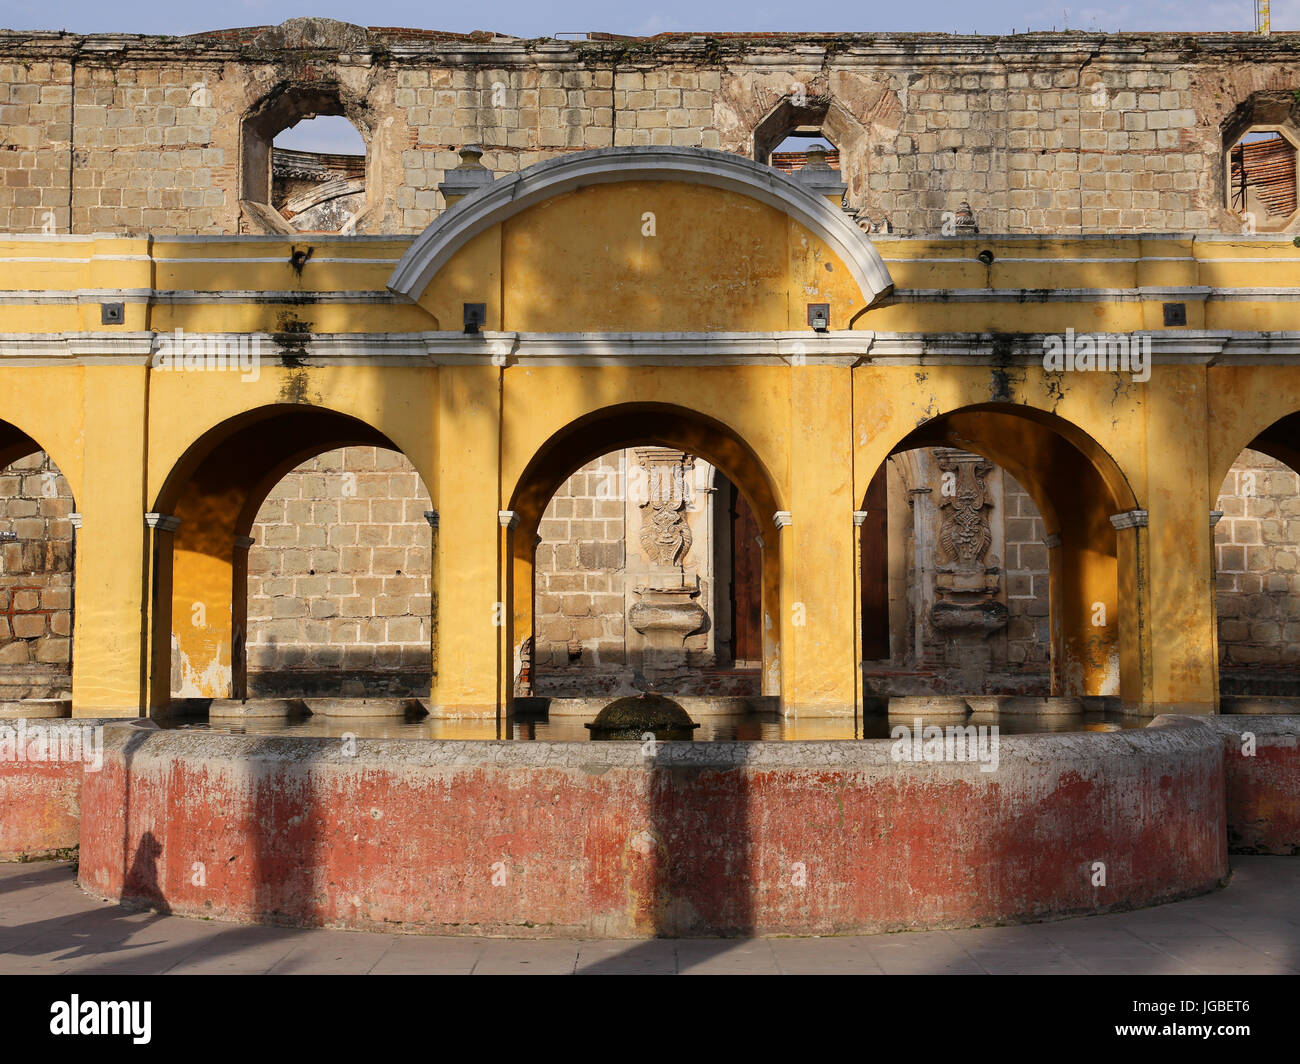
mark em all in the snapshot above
pixel 964 534
pixel 665 533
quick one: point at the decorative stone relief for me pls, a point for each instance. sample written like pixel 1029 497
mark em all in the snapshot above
pixel 665 533
pixel 665 612
pixel 966 585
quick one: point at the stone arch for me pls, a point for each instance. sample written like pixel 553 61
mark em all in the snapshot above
pixel 1078 488
pixel 625 425
pixel 201 520
pixel 281 107
pixel 510 195
pixel 836 123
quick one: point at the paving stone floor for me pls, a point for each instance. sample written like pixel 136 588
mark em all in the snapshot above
pixel 48 926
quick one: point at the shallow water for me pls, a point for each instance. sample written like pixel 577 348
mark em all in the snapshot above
pixel 769 727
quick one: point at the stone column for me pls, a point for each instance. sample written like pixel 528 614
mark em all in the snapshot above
pixel 110 661
pixel 239 617
pixel 159 597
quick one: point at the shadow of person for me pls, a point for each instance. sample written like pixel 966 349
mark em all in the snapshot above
pixel 141 888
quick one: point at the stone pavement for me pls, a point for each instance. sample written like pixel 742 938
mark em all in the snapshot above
pixel 48 926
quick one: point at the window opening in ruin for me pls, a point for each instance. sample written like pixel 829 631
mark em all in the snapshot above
pixel 305 162
pixel 792 153
pixel 318 174
pixel 1262 175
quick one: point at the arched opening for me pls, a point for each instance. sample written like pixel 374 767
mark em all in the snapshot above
pixel 1260 139
pixel 990 564
pixel 306 167
pixel 37 569
pixel 803 120
pixel 292 559
pixel 645 553
pixel 1257 567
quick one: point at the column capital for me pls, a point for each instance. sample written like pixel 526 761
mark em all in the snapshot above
pixel 74 519
pixel 244 542
pixel 162 522
pixel 1053 539
pixel 1215 517
pixel 1129 519
pixel 782 519
pixel 507 518
pixel 859 516
pixel 432 517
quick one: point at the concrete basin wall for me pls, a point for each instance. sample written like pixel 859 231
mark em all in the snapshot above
pixel 538 838
pixel 1262 785
pixel 40 785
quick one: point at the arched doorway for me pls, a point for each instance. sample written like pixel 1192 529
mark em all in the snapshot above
pixel 1012 517
pixel 234 479
pixel 663 479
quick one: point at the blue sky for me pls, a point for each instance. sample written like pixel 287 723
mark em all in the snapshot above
pixel 530 19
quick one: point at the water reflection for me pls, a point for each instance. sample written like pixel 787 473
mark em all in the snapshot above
pixel 768 727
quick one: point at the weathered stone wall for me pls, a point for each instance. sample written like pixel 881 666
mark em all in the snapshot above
pixel 35 580
pixel 1039 133
pixel 339 580
pixel 580 577
pixel 1028 634
pixel 1257 551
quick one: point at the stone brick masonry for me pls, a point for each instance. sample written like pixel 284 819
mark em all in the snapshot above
pixel 339 580
pixel 1039 132
pixel 35 580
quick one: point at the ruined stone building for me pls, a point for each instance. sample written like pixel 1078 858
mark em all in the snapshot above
pixel 1014 187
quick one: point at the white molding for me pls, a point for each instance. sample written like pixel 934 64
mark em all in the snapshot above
pixel 859 516
pixel 1129 519
pixel 794 349
pixel 162 522
pixel 782 519
pixel 511 194
pixel 507 519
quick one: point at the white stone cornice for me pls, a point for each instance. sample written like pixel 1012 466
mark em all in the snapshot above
pixel 792 348
pixel 1129 519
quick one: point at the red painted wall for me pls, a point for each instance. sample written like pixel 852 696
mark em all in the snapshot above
pixel 1263 786
pixel 566 839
